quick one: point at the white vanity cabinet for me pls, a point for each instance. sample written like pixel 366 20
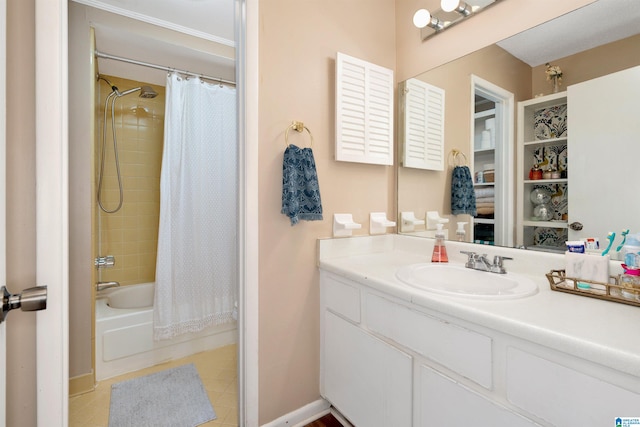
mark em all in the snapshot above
pixel 386 361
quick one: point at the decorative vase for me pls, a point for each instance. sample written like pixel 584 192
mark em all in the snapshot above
pixel 556 84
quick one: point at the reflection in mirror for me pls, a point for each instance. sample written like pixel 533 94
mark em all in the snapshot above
pixel 582 57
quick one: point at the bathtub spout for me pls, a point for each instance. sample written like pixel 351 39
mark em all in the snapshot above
pixel 101 286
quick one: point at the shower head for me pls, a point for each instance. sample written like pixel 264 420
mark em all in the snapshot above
pixel 147 92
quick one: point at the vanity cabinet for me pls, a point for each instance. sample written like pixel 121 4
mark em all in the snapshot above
pixel 367 379
pixel 386 361
pixel 542 140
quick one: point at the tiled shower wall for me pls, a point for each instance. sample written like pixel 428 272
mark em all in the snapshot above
pixel 131 234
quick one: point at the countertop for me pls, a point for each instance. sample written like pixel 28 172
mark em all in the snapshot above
pixel 599 331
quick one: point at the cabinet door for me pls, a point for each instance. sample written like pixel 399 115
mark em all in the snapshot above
pixel 367 380
pixel 444 402
pixel 603 135
pixel 563 396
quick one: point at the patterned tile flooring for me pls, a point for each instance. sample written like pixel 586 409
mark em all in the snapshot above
pixel 217 369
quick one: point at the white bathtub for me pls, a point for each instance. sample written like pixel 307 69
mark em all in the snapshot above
pixel 124 336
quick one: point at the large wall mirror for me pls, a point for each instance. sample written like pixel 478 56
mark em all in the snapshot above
pixel 600 39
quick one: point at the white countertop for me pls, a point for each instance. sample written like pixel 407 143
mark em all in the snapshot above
pixel 596 330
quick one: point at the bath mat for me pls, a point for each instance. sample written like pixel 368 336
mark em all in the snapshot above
pixel 171 398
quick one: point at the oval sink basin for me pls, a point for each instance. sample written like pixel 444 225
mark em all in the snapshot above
pixel 466 282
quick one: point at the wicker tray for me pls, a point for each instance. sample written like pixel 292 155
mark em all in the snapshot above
pixel 611 291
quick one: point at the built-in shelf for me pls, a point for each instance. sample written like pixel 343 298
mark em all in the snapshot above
pixel 549 224
pixel 484 150
pixel 484 220
pixel 484 114
pixel 533 116
pixel 545 142
pixel 546 181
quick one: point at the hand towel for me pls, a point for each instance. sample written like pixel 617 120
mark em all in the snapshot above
pixel 463 197
pixel 300 188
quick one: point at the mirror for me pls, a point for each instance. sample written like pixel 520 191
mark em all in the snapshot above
pixel 517 65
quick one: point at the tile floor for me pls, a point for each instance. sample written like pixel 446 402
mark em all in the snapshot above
pixel 217 369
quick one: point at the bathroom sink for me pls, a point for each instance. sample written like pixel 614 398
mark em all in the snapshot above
pixel 465 282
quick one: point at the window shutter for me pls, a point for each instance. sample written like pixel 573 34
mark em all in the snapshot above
pixel 423 126
pixel 364 111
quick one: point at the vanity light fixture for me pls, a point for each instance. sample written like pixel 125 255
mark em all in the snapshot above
pixel 422 18
pixel 456 6
pixel 450 13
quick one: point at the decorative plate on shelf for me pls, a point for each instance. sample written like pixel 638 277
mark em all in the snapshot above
pixel 550 122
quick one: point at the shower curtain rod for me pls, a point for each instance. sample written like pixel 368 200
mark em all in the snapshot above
pixel 160 67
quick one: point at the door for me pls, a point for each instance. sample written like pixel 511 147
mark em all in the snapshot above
pixel 604 129
pixel 51 228
pixel 3 69
pixel 52 253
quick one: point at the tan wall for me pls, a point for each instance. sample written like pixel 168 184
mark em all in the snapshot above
pixel 587 65
pixel 131 233
pixel 298 45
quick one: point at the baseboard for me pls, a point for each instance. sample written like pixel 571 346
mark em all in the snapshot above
pixel 81 384
pixel 302 416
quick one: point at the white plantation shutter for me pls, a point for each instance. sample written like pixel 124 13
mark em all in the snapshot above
pixel 423 126
pixel 364 111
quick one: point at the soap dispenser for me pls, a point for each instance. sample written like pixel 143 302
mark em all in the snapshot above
pixel 439 249
pixel 460 232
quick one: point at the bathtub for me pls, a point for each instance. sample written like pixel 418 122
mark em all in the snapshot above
pixel 124 333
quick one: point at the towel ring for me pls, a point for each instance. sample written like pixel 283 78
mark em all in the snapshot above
pixel 457 158
pixel 298 127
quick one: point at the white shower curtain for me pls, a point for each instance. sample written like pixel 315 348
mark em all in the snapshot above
pixel 196 263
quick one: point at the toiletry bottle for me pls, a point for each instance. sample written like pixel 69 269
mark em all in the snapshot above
pixel 460 232
pixel 630 249
pixel 439 250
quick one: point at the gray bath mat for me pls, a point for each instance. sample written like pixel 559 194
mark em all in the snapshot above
pixel 170 398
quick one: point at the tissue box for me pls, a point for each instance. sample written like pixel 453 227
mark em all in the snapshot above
pixel 587 267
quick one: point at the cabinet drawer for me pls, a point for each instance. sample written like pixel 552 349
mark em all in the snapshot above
pixel 340 296
pixel 466 352
pixel 564 396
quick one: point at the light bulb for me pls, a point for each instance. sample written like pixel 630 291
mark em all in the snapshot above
pixel 449 5
pixel 421 18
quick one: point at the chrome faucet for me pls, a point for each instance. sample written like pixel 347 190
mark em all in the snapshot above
pixel 101 286
pixel 482 263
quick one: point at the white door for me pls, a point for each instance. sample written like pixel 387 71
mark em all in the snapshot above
pixel 3 74
pixel 603 131
pixel 51 228
pixel 52 211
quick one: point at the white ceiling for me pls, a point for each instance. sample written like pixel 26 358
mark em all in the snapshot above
pixel 598 23
pixel 191 35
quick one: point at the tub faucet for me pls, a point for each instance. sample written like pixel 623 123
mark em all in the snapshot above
pixel 101 286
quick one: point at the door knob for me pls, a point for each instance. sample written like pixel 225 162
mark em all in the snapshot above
pixel 575 226
pixel 32 299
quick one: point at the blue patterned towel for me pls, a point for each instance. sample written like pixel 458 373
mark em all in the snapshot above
pixel 300 189
pixel 463 196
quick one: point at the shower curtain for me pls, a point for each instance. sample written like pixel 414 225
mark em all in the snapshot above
pixel 196 263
